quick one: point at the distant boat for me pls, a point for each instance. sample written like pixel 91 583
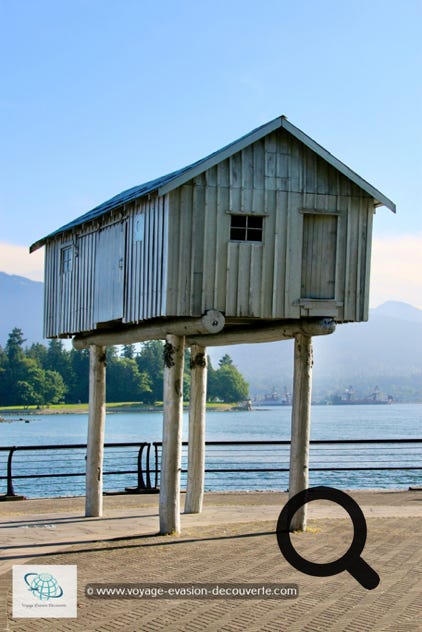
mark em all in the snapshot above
pixel 348 398
pixel 275 399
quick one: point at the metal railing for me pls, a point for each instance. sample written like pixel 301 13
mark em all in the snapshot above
pixel 59 470
pixel 29 466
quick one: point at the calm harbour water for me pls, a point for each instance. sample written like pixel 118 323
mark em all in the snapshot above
pixel 273 423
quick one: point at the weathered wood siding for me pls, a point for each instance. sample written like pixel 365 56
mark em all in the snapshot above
pixel 314 218
pixel 146 260
pixel 109 273
pixel 116 271
pixel 319 256
pixel 173 255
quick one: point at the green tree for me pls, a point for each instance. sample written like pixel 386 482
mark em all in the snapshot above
pixel 16 367
pixel 58 374
pixel 150 361
pixel 129 352
pixel 27 394
pixel 78 388
pixel 14 346
pixel 225 361
pixel 37 386
pixel 212 382
pixel 41 375
pixel 3 374
pixel 24 380
pixel 37 352
pixel 58 359
pixel 226 383
pixel 54 390
pixel 35 376
pixel 186 375
pixel 231 385
pixel 125 382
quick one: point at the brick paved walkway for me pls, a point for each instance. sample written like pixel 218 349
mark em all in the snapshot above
pixel 228 550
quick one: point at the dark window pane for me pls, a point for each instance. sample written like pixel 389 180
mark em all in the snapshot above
pixel 254 234
pixel 238 234
pixel 254 221
pixel 238 221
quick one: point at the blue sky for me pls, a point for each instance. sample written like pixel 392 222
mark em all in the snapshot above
pixel 98 96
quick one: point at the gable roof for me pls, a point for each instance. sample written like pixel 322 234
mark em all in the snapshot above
pixel 171 181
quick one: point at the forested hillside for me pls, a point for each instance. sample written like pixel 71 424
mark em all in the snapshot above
pixel 43 375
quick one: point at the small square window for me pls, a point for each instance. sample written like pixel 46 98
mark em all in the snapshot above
pixel 66 261
pixel 246 227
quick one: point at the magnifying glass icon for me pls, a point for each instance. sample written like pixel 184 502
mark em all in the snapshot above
pixel 351 561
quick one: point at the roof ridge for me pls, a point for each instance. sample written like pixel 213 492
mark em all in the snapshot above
pixel 168 182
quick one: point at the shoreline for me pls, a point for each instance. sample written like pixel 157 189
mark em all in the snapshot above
pixel 19 413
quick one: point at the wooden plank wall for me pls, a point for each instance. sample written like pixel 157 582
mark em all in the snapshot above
pixel 319 252
pixel 282 179
pixel 69 299
pixel 109 273
pixel 133 289
pixel 179 260
pixel 145 270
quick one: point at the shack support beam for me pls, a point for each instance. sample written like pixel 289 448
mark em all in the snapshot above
pixel 278 330
pixel 169 508
pixel 96 426
pixel 301 425
pixel 196 448
pixel 211 323
pixel 208 331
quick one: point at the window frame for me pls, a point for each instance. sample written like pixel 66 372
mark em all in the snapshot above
pixel 66 262
pixel 249 231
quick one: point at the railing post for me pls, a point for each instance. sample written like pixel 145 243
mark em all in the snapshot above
pixel 148 471
pixel 141 482
pixel 155 444
pixel 10 490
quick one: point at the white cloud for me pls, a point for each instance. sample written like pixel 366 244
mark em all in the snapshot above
pixel 17 260
pixel 397 269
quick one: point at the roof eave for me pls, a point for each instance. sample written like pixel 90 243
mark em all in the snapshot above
pixel 236 146
pixel 281 121
pixel 379 197
pixel 387 203
pixel 71 226
pixel 38 244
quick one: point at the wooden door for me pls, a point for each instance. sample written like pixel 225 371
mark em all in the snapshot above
pixel 110 274
pixel 319 254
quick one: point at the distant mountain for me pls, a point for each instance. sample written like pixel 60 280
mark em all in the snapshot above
pixel 21 305
pixel 399 310
pixel 386 351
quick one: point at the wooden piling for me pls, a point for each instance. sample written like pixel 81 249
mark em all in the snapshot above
pixel 301 425
pixel 96 427
pixel 169 505
pixel 196 449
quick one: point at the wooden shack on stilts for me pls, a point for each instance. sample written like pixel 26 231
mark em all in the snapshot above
pixel 266 239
